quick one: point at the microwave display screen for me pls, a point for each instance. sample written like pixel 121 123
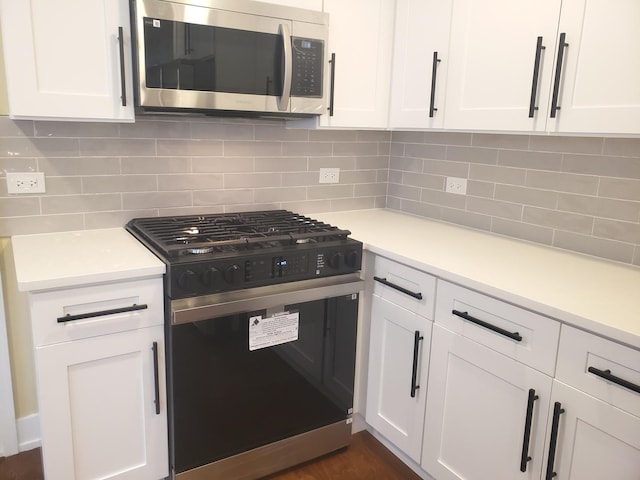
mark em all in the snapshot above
pixel 185 56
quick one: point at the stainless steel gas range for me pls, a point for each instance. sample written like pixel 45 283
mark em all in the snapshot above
pixel 261 320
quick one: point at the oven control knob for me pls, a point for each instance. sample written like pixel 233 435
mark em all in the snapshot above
pixel 211 276
pixel 335 260
pixel 187 280
pixel 230 273
pixel 351 259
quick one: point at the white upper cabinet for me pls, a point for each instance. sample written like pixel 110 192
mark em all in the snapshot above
pixel 420 58
pixel 599 86
pixel 361 37
pixel 67 60
pixel 502 67
pixel 492 59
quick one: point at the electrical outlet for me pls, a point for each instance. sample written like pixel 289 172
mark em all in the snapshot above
pixel 329 175
pixel 456 185
pixel 25 182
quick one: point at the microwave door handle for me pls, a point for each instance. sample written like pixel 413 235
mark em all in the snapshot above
pixel 283 101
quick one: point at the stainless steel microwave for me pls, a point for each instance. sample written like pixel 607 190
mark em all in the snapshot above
pixel 229 56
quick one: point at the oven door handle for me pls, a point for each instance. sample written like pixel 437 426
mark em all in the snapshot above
pixel 283 101
pixel 249 300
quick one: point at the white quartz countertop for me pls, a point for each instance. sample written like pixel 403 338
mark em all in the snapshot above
pixel 55 260
pixel 597 295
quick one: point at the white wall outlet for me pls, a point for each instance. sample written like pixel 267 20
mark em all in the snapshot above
pixel 25 182
pixel 456 185
pixel 329 175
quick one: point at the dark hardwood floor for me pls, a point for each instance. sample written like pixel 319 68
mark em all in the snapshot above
pixel 365 459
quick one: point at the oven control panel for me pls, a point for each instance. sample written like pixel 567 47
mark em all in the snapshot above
pixel 205 277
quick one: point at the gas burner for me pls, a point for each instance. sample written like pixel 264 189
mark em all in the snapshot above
pixel 199 251
pixel 208 234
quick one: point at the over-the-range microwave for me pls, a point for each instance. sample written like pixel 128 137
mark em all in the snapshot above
pixel 229 57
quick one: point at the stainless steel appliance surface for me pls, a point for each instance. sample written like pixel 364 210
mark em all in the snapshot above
pixel 261 325
pixel 229 56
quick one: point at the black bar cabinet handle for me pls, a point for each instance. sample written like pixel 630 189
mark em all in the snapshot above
pixel 557 410
pixel 156 384
pixel 525 458
pixel 434 70
pixel 556 83
pixel 101 313
pixel 123 83
pixel 384 281
pixel 512 335
pixel 536 77
pixel 333 83
pixel 414 372
pixel 607 375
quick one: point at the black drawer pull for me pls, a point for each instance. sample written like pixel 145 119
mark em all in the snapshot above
pixel 414 371
pixel 607 375
pixel 536 76
pixel 512 335
pixel 333 83
pixel 525 458
pixel 123 81
pixel 434 70
pixel 101 313
pixel 562 44
pixel 384 281
pixel 156 384
pixel 557 410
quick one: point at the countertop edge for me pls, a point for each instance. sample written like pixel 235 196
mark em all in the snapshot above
pixel 91 279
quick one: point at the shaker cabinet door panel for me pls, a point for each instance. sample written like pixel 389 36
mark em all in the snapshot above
pixel 420 60
pixel 599 86
pixel 595 440
pixel 97 407
pixel 361 36
pixel 63 60
pixel 477 411
pixel 391 409
pixel 491 63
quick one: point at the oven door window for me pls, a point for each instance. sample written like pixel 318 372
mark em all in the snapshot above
pixel 187 56
pixel 228 399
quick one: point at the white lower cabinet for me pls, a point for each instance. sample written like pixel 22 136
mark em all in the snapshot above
pixel 398 364
pixel 594 440
pixel 100 368
pixel 594 425
pixel 98 410
pixel 477 413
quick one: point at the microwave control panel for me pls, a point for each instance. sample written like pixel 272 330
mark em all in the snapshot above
pixel 307 64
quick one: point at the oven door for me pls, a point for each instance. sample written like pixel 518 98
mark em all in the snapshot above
pixel 259 367
pixel 202 58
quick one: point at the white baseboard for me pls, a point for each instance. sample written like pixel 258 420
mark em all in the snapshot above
pixel 29 432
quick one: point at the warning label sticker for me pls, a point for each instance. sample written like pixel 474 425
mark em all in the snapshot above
pixel 275 330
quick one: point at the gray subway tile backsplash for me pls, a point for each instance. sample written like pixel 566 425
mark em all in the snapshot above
pixel 573 193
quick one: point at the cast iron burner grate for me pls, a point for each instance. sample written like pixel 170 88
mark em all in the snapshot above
pixel 232 232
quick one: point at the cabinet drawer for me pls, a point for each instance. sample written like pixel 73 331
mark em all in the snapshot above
pixel 602 368
pixel 523 335
pixel 404 286
pixel 100 309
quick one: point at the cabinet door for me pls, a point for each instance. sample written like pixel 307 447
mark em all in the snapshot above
pixel 491 63
pixel 97 407
pixel 595 440
pixel 361 36
pixel 63 59
pixel 477 411
pixel 599 86
pixel 391 408
pixel 421 48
